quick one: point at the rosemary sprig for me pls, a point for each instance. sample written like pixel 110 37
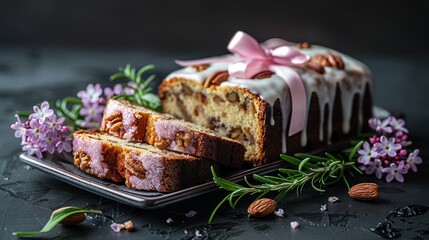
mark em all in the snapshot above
pixel 319 171
pixel 56 218
pixel 142 92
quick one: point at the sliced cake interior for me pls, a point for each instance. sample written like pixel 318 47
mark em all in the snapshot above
pixel 143 166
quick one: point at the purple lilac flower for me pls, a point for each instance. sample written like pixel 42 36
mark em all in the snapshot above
pixel 395 172
pixel 397 124
pixel 387 146
pixel 414 159
pixel 64 144
pixel 91 95
pixel 117 90
pixel 55 123
pixel 42 113
pixel 44 132
pixel 93 113
pixel 380 126
pixel 20 128
pixel 375 166
pixel 367 153
pixel 35 131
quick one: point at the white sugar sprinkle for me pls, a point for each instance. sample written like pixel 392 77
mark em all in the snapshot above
pixel 190 214
pixel 198 234
pixel 279 212
pixel 333 199
pixel 323 207
pixel 169 220
pixel 294 224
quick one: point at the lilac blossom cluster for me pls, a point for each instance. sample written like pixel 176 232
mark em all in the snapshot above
pixel 386 153
pixel 42 132
pixel 93 102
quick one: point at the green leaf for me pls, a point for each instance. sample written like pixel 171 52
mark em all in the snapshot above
pixel 55 219
pixel 355 149
pixel 290 159
pixel 313 158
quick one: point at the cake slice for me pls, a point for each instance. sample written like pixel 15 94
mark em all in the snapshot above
pixel 142 166
pixel 136 123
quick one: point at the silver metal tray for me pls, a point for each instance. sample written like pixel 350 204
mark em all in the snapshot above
pixel 62 168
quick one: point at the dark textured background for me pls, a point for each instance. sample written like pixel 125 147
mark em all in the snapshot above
pixel 51 49
pixel 387 27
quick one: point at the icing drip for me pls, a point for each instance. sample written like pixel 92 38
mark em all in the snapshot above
pixel 273 88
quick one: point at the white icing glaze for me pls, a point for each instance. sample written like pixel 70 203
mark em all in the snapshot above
pixel 324 85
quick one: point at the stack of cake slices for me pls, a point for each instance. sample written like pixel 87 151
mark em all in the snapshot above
pixel 152 151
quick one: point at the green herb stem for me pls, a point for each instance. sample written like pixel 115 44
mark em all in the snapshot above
pixel 319 171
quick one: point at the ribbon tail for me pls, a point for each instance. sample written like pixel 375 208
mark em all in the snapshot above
pixel 298 97
pixel 209 60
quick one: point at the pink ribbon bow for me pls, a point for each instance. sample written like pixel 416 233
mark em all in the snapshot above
pixel 274 55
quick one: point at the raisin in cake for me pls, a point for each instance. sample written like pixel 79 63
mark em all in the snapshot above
pixel 137 123
pixel 142 166
pixel 256 111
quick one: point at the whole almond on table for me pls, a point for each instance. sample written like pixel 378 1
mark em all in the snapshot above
pixel 365 191
pixel 262 207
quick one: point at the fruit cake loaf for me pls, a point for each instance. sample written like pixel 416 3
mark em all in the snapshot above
pixel 257 110
pixel 137 123
pixel 142 166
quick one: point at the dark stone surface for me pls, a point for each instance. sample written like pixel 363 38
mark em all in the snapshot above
pixel 28 196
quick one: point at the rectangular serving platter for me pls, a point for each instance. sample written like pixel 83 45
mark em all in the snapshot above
pixel 62 168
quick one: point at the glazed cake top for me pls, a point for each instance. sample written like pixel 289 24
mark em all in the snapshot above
pixel 347 73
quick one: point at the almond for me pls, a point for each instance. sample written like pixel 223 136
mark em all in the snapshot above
pixel 262 207
pixel 365 191
pixel 72 219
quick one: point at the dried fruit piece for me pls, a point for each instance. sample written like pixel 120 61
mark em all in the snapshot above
pixel 218 99
pixel 232 97
pixel 262 207
pixel 365 191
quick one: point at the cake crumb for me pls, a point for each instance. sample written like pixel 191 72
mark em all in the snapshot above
pixel 185 232
pixel 169 220
pixel 323 207
pixel 333 199
pixel 190 214
pixel 294 225
pixel 129 226
pixel 279 212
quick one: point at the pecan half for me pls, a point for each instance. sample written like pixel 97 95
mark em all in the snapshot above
pixel 303 45
pixel 113 123
pixel 262 75
pixel 135 167
pixel 315 66
pixel 82 160
pixel 216 79
pixel 183 139
pixel 328 60
pixel 162 143
pixel 200 67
